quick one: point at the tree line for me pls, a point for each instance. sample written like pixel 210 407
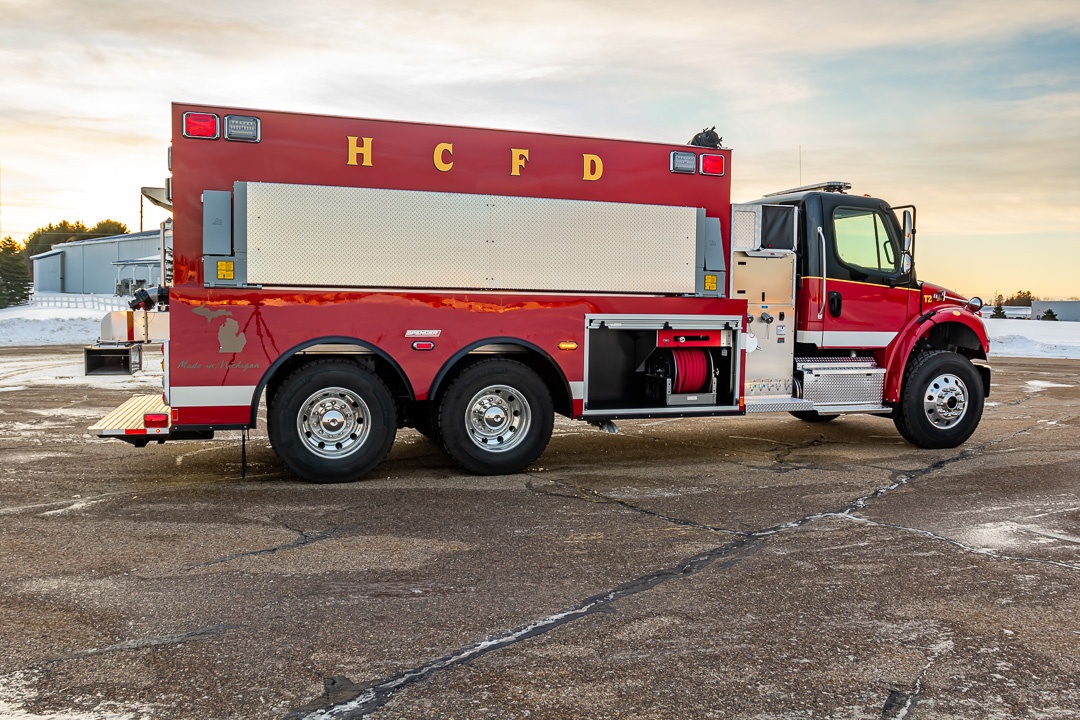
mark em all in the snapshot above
pixel 16 266
pixel 1023 298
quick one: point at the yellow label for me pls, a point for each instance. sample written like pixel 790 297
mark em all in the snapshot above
pixel 225 270
pixel 710 282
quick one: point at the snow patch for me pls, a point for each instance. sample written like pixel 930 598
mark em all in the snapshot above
pixel 16 692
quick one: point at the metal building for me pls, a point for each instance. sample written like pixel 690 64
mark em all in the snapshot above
pixel 105 266
pixel 1064 309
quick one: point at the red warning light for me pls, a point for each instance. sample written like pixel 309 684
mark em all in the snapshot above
pixel 201 125
pixel 712 165
pixel 156 420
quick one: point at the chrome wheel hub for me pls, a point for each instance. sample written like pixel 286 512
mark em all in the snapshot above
pixel 498 418
pixel 945 401
pixel 333 422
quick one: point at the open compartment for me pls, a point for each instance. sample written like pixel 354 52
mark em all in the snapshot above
pixel 645 366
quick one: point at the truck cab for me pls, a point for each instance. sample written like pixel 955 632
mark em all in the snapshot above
pixel 866 329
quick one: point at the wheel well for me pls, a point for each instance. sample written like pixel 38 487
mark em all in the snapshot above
pixel 533 358
pixel 384 368
pixel 955 337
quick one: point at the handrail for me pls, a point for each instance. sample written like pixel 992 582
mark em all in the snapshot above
pixel 824 272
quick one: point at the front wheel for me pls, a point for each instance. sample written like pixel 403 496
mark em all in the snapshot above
pixel 496 417
pixel 332 421
pixel 941 402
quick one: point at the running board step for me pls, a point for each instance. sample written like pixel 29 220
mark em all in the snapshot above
pixel 777 404
pixel 841 383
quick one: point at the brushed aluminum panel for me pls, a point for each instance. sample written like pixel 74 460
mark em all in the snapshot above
pixel 844 386
pixel 369 237
pixel 744 229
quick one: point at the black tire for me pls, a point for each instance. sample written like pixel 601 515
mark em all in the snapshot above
pixel 496 417
pixel 941 402
pixel 332 421
pixel 812 416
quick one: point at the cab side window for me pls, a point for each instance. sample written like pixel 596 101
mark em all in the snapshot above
pixel 863 242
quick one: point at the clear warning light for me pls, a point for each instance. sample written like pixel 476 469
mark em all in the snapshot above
pixel 683 162
pixel 243 128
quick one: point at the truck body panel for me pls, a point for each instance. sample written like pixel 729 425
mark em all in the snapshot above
pixel 360 275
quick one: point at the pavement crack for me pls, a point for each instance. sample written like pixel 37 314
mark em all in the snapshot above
pixel 781 454
pixel 581 492
pixel 138 644
pixel 304 537
pixel 345 700
pixel 901 704
pixel 987 552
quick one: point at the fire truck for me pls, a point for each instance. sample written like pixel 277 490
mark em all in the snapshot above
pixel 362 276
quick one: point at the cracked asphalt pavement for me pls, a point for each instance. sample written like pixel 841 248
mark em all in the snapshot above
pixel 756 567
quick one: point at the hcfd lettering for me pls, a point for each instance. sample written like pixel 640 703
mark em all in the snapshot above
pixel 360 153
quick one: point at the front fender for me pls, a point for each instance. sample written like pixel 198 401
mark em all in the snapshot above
pixel 945 328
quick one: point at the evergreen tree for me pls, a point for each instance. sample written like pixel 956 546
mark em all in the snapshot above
pixel 1021 299
pixel 1049 315
pixel 14 278
pixel 999 311
pixel 43 239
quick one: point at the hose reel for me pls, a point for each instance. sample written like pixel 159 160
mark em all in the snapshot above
pixel 681 376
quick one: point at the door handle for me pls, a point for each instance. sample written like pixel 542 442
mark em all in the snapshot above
pixel 836 303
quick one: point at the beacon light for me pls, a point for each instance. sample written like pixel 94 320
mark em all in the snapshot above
pixel 712 165
pixel 204 126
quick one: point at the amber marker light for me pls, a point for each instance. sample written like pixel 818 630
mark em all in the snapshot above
pixel 568 345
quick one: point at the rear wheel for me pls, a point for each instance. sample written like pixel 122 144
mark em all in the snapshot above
pixel 332 421
pixel 941 402
pixel 496 417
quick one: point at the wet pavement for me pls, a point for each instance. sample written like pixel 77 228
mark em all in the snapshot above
pixel 756 567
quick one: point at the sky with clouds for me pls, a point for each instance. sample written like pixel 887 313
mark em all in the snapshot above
pixel 970 109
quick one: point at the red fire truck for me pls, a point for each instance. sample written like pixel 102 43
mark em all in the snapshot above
pixel 366 275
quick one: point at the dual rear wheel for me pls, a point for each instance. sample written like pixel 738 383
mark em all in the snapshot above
pixel 335 420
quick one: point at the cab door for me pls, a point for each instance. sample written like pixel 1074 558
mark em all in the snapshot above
pixel 867 291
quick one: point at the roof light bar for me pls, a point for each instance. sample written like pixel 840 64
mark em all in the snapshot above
pixel 836 186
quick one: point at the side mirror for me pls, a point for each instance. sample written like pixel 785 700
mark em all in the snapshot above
pixel 909 232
